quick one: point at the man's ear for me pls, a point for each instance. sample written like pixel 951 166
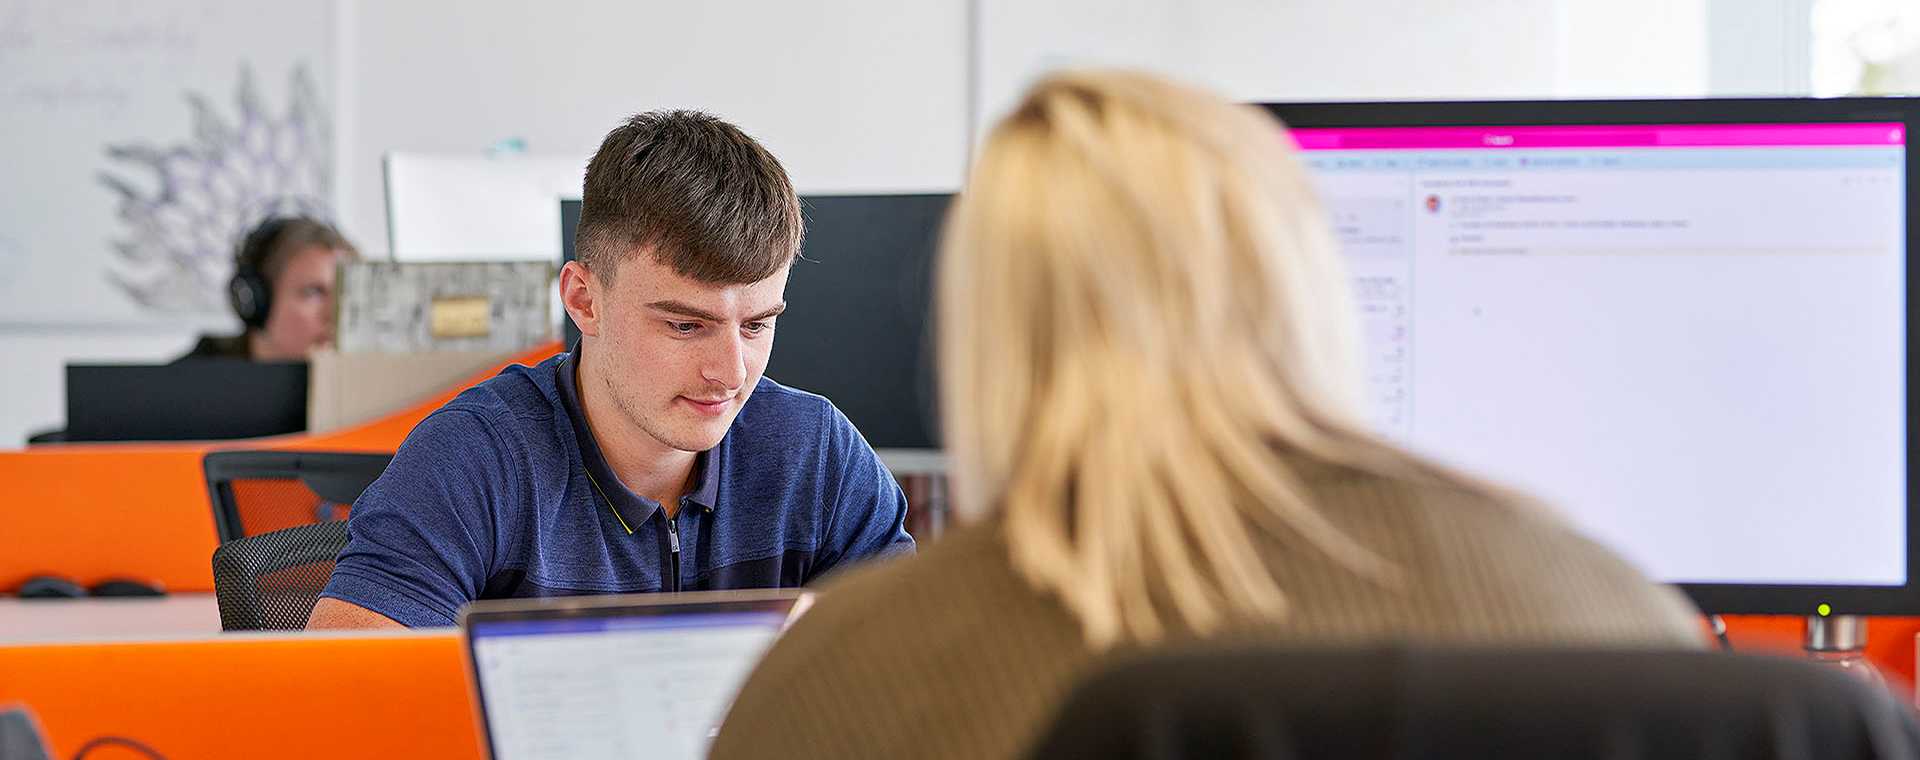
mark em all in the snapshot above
pixel 580 293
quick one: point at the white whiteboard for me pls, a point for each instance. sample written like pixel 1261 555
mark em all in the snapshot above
pixel 478 208
pixel 137 139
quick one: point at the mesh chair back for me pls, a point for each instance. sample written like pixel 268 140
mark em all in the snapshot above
pixel 257 492
pixel 270 582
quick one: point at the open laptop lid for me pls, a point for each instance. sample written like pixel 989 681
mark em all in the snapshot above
pixel 647 675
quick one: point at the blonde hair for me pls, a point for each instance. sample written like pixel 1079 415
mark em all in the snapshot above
pixel 1143 319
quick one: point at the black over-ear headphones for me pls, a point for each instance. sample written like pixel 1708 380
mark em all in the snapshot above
pixel 249 291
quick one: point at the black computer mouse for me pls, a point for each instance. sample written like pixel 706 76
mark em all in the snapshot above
pixel 51 587
pixel 125 587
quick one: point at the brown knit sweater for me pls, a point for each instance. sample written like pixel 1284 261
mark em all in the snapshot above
pixel 952 655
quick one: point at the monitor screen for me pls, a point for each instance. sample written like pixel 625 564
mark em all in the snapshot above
pixel 569 223
pixel 614 686
pixel 856 329
pixel 1688 338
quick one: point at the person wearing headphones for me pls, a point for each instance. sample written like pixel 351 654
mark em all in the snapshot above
pixel 282 290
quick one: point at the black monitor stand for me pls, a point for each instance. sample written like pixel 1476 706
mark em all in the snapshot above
pixel 1840 641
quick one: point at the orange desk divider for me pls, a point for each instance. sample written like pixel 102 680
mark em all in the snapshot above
pixel 92 511
pixel 402 694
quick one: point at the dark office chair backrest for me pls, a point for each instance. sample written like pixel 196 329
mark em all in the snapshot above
pixel 1417 704
pixel 270 582
pixel 257 492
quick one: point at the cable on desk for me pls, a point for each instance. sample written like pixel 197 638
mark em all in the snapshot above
pixel 106 741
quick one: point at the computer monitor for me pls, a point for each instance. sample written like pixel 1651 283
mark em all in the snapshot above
pixel 1683 324
pixel 188 400
pixel 856 329
pixel 569 222
pixel 616 677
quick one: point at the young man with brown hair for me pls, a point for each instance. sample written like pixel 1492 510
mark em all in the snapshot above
pixel 654 456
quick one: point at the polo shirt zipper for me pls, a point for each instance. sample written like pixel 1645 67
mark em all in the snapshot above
pixel 673 546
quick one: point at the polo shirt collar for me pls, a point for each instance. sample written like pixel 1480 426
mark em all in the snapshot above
pixel 632 506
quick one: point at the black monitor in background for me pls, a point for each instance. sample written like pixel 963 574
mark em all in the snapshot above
pixel 188 400
pixel 569 221
pixel 856 328
pixel 1685 324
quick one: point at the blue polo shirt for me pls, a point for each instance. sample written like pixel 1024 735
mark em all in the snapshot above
pixel 494 495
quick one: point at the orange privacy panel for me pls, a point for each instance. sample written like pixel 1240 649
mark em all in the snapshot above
pixel 91 511
pixel 299 696
pixel 106 510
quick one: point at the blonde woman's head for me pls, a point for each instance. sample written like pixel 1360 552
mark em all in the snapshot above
pixel 1143 315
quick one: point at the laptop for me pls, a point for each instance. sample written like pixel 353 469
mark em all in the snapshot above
pixel 647 675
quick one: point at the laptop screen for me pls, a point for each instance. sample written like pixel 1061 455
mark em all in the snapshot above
pixel 617 684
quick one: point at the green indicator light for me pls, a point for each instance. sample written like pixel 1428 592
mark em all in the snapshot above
pixel 1824 609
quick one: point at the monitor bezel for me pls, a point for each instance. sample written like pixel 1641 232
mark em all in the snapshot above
pixel 1713 598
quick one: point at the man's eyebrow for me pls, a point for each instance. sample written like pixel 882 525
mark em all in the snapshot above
pixel 692 312
pixel 676 307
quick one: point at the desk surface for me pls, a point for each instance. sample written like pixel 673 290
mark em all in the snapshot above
pixel 28 620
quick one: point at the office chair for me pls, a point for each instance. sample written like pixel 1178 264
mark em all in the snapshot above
pixel 270 582
pixel 257 492
pixel 1425 704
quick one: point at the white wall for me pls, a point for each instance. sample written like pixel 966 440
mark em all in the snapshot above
pixel 850 94
pixel 868 95
pixel 1279 50
pixel 1631 48
pixel 1409 49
